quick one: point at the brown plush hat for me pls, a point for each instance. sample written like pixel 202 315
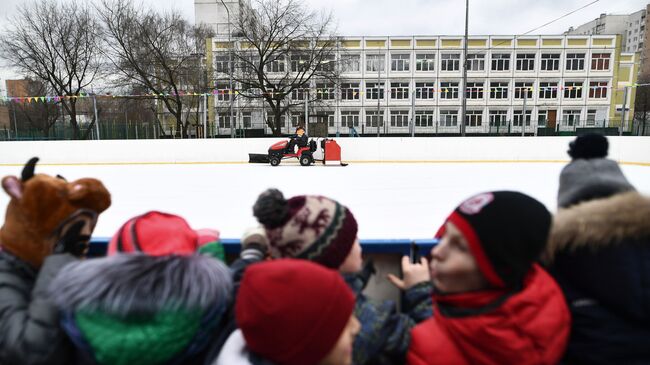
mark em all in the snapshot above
pixel 39 205
pixel 309 227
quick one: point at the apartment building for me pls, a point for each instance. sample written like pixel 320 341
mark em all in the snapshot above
pixel 413 86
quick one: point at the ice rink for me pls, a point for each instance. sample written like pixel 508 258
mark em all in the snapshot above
pixel 390 201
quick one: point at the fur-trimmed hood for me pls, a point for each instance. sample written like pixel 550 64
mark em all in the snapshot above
pixel 600 223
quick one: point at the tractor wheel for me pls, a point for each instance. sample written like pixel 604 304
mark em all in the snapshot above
pixel 305 160
pixel 274 161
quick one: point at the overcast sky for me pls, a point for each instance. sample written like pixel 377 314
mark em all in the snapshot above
pixel 430 17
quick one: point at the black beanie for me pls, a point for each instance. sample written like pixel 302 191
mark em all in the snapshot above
pixel 506 232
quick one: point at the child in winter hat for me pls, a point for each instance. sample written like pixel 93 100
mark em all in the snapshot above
pixel 153 300
pixel 590 174
pixel 492 304
pixel 322 230
pixel 293 312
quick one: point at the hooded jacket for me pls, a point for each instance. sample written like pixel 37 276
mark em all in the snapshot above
pixel 135 308
pixel 529 326
pixel 599 252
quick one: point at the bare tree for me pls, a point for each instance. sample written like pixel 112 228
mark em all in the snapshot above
pixel 40 114
pixel 56 42
pixel 283 47
pixel 160 52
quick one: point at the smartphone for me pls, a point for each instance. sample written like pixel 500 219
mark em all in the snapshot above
pixel 414 254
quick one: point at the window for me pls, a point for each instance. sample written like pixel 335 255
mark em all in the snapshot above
pixel 374 118
pixel 475 62
pixel 571 118
pixel 575 61
pixel 424 118
pixel 523 89
pixel 518 115
pixel 448 90
pixel 550 62
pixel 548 90
pixel 526 62
pixel 600 61
pixel 474 118
pixel 598 89
pixel 542 116
pixel 500 62
pixel 498 90
pixel 299 94
pixel 350 119
pixel 224 120
pixel 448 118
pixel 399 118
pixel 223 92
pixel 299 63
pixel 297 119
pixel 329 117
pixel 375 63
pixel 425 90
pixel 399 90
pixel 400 62
pixel 450 61
pixel 374 90
pixel 498 118
pixel 221 64
pixel 573 90
pixel 425 62
pixel 474 90
pixel 350 91
pixel 247 120
pixel 327 64
pixel 350 63
pixel 591 118
pixel 275 66
pixel 325 92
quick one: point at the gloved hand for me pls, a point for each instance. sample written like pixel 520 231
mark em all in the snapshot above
pixel 73 241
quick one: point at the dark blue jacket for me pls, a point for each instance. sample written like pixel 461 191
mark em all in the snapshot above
pixel 599 252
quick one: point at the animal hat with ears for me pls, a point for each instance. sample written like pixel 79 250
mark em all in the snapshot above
pixel 39 208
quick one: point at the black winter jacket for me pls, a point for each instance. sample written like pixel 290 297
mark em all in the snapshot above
pixel 599 252
pixel 29 322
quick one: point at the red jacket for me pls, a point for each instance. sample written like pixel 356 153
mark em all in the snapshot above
pixel 530 327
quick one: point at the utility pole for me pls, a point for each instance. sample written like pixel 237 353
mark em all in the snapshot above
pixel 96 115
pixel 523 121
pixel 463 109
pixel 413 113
pixel 623 111
pixel 378 92
pixel 231 92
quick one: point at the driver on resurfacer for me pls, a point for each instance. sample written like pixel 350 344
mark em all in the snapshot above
pixel 300 138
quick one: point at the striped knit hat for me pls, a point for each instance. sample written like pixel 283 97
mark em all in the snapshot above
pixel 308 227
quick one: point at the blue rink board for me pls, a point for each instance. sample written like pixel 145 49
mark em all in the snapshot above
pixel 98 246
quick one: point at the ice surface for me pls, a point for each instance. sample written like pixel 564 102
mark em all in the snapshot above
pixel 390 201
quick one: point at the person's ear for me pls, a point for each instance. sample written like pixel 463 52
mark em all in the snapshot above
pixel 13 187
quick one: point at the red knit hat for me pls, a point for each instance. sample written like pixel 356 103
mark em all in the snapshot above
pixel 308 227
pixel 292 312
pixel 156 234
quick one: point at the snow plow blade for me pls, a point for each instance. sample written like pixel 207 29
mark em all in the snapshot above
pixel 258 158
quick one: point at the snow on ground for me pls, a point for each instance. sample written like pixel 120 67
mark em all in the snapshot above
pixel 390 201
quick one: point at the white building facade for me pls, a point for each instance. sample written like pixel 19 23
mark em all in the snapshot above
pixel 413 86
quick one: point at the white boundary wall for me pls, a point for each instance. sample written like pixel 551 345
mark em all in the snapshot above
pixel 634 150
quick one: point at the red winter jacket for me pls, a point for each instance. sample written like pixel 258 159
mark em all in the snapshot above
pixel 529 327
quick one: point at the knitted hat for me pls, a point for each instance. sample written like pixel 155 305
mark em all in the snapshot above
pixel 292 312
pixel 158 234
pixel 506 232
pixel 590 174
pixel 307 226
